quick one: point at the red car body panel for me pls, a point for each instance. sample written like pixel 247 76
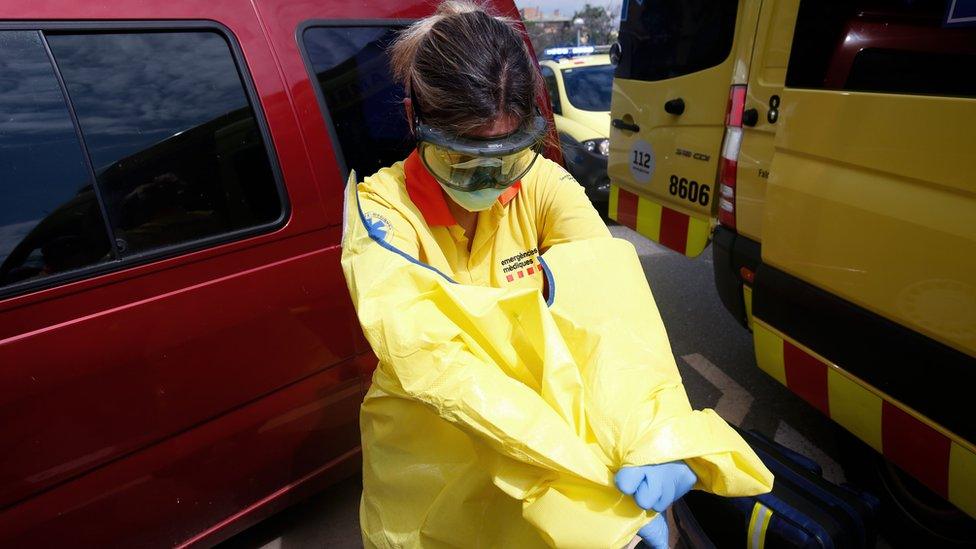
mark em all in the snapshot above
pixel 182 400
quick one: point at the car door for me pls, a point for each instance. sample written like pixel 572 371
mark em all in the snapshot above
pixel 671 88
pixel 172 328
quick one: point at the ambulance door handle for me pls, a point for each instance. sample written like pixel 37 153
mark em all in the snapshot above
pixel 675 106
pixel 622 125
pixel 750 117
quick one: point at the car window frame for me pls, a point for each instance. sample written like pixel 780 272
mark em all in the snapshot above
pixel 557 102
pixel 120 263
pixel 395 23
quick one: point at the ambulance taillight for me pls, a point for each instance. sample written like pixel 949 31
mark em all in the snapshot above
pixel 730 155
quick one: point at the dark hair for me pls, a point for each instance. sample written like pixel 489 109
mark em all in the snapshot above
pixel 465 67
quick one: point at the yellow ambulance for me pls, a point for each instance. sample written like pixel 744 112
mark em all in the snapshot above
pixel 827 150
pixel 579 80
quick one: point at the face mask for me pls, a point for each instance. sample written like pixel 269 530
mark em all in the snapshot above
pixel 474 201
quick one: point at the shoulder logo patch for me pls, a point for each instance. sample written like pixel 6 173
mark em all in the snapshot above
pixel 378 226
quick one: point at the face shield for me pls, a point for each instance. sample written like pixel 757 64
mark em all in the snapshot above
pixel 470 164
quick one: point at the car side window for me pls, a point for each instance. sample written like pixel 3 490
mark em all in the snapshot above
pixel 549 76
pixel 358 94
pixel 50 220
pixel 172 136
pixel 120 146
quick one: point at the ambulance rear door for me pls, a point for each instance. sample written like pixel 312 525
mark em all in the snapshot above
pixel 675 64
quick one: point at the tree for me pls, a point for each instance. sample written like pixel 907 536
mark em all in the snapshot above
pixel 546 34
pixel 599 23
pixel 599 27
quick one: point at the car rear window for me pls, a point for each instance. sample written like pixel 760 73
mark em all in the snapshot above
pixel 122 146
pixel 589 88
pixel 358 94
pixel 882 47
pixel 661 39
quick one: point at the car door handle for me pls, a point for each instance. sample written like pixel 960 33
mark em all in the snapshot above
pixel 621 125
pixel 675 106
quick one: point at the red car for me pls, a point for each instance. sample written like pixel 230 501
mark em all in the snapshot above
pixel 179 357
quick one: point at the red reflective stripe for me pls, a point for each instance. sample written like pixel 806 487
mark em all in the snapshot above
pixel 806 376
pixel 674 229
pixel 917 448
pixel 627 209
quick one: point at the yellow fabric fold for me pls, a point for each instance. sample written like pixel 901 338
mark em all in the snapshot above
pixel 496 419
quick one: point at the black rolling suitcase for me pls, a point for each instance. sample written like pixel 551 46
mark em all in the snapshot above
pixel 803 510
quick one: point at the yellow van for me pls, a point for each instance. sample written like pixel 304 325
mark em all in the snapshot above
pixel 578 81
pixel 828 152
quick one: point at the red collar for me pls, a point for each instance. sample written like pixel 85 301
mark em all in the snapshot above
pixel 427 195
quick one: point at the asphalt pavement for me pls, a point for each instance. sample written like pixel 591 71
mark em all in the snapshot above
pixel 714 355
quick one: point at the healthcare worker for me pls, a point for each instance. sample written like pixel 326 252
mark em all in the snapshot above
pixel 526 394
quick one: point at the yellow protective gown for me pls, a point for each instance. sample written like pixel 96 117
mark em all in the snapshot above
pixel 498 419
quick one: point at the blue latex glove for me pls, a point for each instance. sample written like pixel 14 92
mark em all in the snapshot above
pixel 656 486
pixel 655 533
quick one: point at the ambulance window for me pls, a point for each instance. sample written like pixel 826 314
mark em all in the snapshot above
pixel 887 47
pixel 553 87
pixel 172 136
pixel 50 221
pixel 664 39
pixel 945 73
pixel 364 104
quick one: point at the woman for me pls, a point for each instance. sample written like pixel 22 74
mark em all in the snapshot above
pixel 501 415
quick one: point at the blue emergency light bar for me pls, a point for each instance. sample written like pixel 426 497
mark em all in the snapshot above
pixel 565 52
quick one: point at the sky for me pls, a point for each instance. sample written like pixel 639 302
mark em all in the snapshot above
pixel 564 6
